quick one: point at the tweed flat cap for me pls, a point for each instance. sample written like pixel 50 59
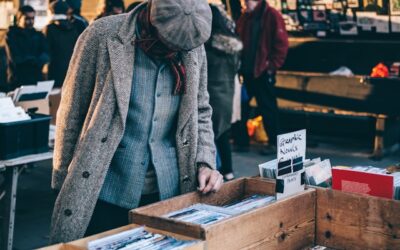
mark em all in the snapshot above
pixel 181 24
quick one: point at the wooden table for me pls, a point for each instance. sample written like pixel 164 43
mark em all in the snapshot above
pixel 12 169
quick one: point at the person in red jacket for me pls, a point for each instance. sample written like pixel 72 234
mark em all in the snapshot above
pixel 265 40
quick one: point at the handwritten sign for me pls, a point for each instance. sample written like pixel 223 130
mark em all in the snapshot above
pixel 291 146
pixel 291 152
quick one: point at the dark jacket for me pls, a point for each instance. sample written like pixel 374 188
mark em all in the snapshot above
pixel 273 41
pixel 27 52
pixel 223 55
pixel 61 36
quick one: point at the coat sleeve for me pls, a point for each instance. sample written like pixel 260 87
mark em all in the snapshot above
pixel 280 43
pixel 76 96
pixel 206 152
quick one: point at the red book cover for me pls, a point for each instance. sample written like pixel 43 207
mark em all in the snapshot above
pixel 353 181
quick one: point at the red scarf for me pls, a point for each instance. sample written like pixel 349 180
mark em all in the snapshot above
pixel 153 47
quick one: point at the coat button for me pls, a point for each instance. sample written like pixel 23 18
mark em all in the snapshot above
pixel 85 174
pixel 186 178
pixel 185 142
pixel 104 139
pixel 67 212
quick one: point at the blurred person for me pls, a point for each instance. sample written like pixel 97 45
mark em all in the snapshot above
pixel 112 7
pixel 223 56
pixel 75 14
pixel 133 5
pixel 262 30
pixel 134 124
pixel 61 35
pixel 26 49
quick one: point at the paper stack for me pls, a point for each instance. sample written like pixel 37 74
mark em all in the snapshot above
pixel 138 238
pixel 10 113
pixel 204 214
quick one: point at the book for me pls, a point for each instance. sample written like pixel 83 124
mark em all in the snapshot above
pixel 364 180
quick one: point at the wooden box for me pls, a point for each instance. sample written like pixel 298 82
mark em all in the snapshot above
pixel 285 224
pixel 81 244
pixel 353 221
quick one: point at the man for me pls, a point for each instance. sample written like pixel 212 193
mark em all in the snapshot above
pixel 61 35
pixel 74 14
pixel 26 49
pixel 112 7
pixel 265 41
pixel 134 124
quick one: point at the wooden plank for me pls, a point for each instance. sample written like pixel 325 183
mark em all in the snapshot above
pixel 170 205
pixel 81 244
pixel 259 186
pixel 294 238
pixel 351 221
pixel 287 224
pixel 230 192
pixel 166 224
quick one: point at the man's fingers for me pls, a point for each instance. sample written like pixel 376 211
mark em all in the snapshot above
pixel 218 184
pixel 203 177
pixel 211 182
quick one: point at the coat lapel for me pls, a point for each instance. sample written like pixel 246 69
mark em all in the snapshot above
pixel 186 107
pixel 122 54
pixel 122 59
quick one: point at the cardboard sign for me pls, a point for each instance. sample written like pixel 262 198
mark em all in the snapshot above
pixel 291 146
pixel 353 181
pixel 291 152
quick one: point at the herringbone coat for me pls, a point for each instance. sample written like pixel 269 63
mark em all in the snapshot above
pixel 92 114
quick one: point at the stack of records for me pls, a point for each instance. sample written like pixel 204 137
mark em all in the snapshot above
pixel 396 185
pixel 251 203
pixel 268 169
pixel 200 214
pixel 136 239
pixel 318 173
pixel 204 214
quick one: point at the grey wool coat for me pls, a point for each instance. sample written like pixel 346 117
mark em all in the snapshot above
pixel 91 121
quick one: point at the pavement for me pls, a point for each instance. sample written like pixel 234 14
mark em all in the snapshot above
pixel 35 199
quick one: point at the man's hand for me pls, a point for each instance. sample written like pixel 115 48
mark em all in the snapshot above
pixel 209 180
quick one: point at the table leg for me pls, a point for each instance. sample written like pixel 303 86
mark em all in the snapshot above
pixel 8 211
pixel 379 135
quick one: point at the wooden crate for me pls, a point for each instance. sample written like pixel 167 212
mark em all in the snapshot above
pixel 286 224
pixel 353 221
pixel 81 244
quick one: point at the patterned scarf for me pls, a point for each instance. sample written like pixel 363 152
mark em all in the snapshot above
pixel 153 47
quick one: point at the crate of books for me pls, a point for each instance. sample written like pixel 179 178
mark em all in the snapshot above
pixel 132 237
pixel 243 214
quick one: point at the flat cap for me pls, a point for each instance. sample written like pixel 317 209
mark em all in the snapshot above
pixel 181 24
